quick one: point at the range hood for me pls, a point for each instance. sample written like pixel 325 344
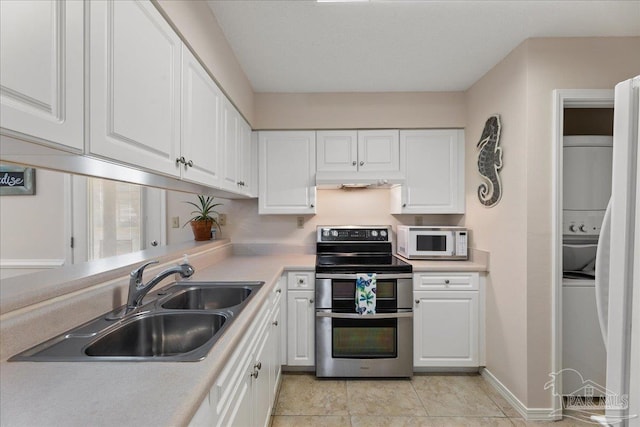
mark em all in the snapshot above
pixel 331 180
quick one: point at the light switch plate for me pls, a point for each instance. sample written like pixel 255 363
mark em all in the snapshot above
pixel 175 222
pixel 300 222
pixel 418 220
pixel 222 219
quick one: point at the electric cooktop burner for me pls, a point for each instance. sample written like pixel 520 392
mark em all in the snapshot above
pixel 357 249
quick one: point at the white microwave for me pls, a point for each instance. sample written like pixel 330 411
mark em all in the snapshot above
pixel 423 242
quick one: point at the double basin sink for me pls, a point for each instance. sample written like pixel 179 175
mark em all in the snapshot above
pixel 182 324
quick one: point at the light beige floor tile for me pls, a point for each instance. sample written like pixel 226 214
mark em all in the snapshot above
pixel 306 395
pixel 383 398
pixel 497 398
pixel 454 396
pixel 566 422
pixel 381 421
pixel 310 421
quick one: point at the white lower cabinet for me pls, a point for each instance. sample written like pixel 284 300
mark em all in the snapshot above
pixel 448 320
pixel 244 392
pixel 300 318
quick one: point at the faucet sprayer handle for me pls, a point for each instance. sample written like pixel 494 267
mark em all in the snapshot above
pixel 136 275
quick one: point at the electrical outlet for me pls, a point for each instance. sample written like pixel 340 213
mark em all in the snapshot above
pixel 175 222
pixel 418 220
pixel 300 222
pixel 222 219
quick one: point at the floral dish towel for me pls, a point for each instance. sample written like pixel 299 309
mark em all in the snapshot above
pixel 366 293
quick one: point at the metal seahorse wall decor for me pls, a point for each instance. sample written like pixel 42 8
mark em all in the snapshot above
pixel 490 162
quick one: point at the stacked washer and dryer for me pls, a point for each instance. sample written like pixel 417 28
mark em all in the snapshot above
pixel 587 163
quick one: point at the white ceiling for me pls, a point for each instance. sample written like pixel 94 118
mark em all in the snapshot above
pixel 399 45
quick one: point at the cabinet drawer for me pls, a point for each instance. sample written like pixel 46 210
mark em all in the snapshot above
pixel 446 281
pixel 301 280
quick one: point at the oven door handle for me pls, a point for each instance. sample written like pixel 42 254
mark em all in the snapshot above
pixel 354 276
pixel 363 316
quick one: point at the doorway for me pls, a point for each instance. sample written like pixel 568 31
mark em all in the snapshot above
pixel 576 113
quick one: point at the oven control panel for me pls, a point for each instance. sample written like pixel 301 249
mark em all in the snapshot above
pixel 354 234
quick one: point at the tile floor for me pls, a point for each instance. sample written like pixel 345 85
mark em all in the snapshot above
pixel 425 401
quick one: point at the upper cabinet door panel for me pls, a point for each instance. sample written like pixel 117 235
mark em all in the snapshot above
pixel 432 161
pixel 337 151
pixel 201 123
pixel 378 150
pixel 230 141
pixel 287 172
pixel 135 85
pixel 42 77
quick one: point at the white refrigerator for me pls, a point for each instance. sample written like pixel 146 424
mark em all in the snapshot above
pixel 618 265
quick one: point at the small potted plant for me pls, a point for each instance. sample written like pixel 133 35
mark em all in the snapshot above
pixel 204 218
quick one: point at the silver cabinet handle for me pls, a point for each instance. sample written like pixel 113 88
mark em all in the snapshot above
pixel 180 160
pixel 361 163
pixel 275 323
pixel 312 205
pixel 446 281
pixel 278 291
pixel 154 243
pixel 404 205
pixel 417 301
pixel 258 366
pixel 190 163
pixel 310 301
pixel 255 374
pixel 354 163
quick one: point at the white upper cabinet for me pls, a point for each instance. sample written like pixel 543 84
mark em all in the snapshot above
pixel 378 151
pixel 42 71
pixel 201 123
pixel 337 151
pixel 432 162
pixel 230 140
pixel 135 69
pixel 287 172
pixel 342 153
pixel 239 163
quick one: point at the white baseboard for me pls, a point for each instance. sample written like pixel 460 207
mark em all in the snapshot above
pixel 529 414
pixel 31 263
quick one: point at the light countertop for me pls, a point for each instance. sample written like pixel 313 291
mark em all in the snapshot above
pixel 149 393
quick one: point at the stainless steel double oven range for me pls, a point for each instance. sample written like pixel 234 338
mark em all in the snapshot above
pixel 349 344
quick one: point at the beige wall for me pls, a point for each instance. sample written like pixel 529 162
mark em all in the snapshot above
pixel 519 306
pixel 334 207
pixel 359 110
pixel 567 63
pixel 199 28
pixel 501 230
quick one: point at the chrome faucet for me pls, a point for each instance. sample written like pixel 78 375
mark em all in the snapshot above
pixel 138 290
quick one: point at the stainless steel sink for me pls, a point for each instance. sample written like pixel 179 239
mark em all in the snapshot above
pixel 182 323
pixel 209 297
pixel 158 335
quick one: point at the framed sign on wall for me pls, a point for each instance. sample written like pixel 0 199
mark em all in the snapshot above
pixel 17 181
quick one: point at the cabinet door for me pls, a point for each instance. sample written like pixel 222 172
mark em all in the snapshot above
pixel 287 172
pixel 300 328
pixel 135 86
pixel 201 114
pixel 230 140
pixel 446 329
pixel 261 387
pixel 378 151
pixel 276 361
pixel 42 78
pixel 433 164
pixel 337 151
pixel 246 168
